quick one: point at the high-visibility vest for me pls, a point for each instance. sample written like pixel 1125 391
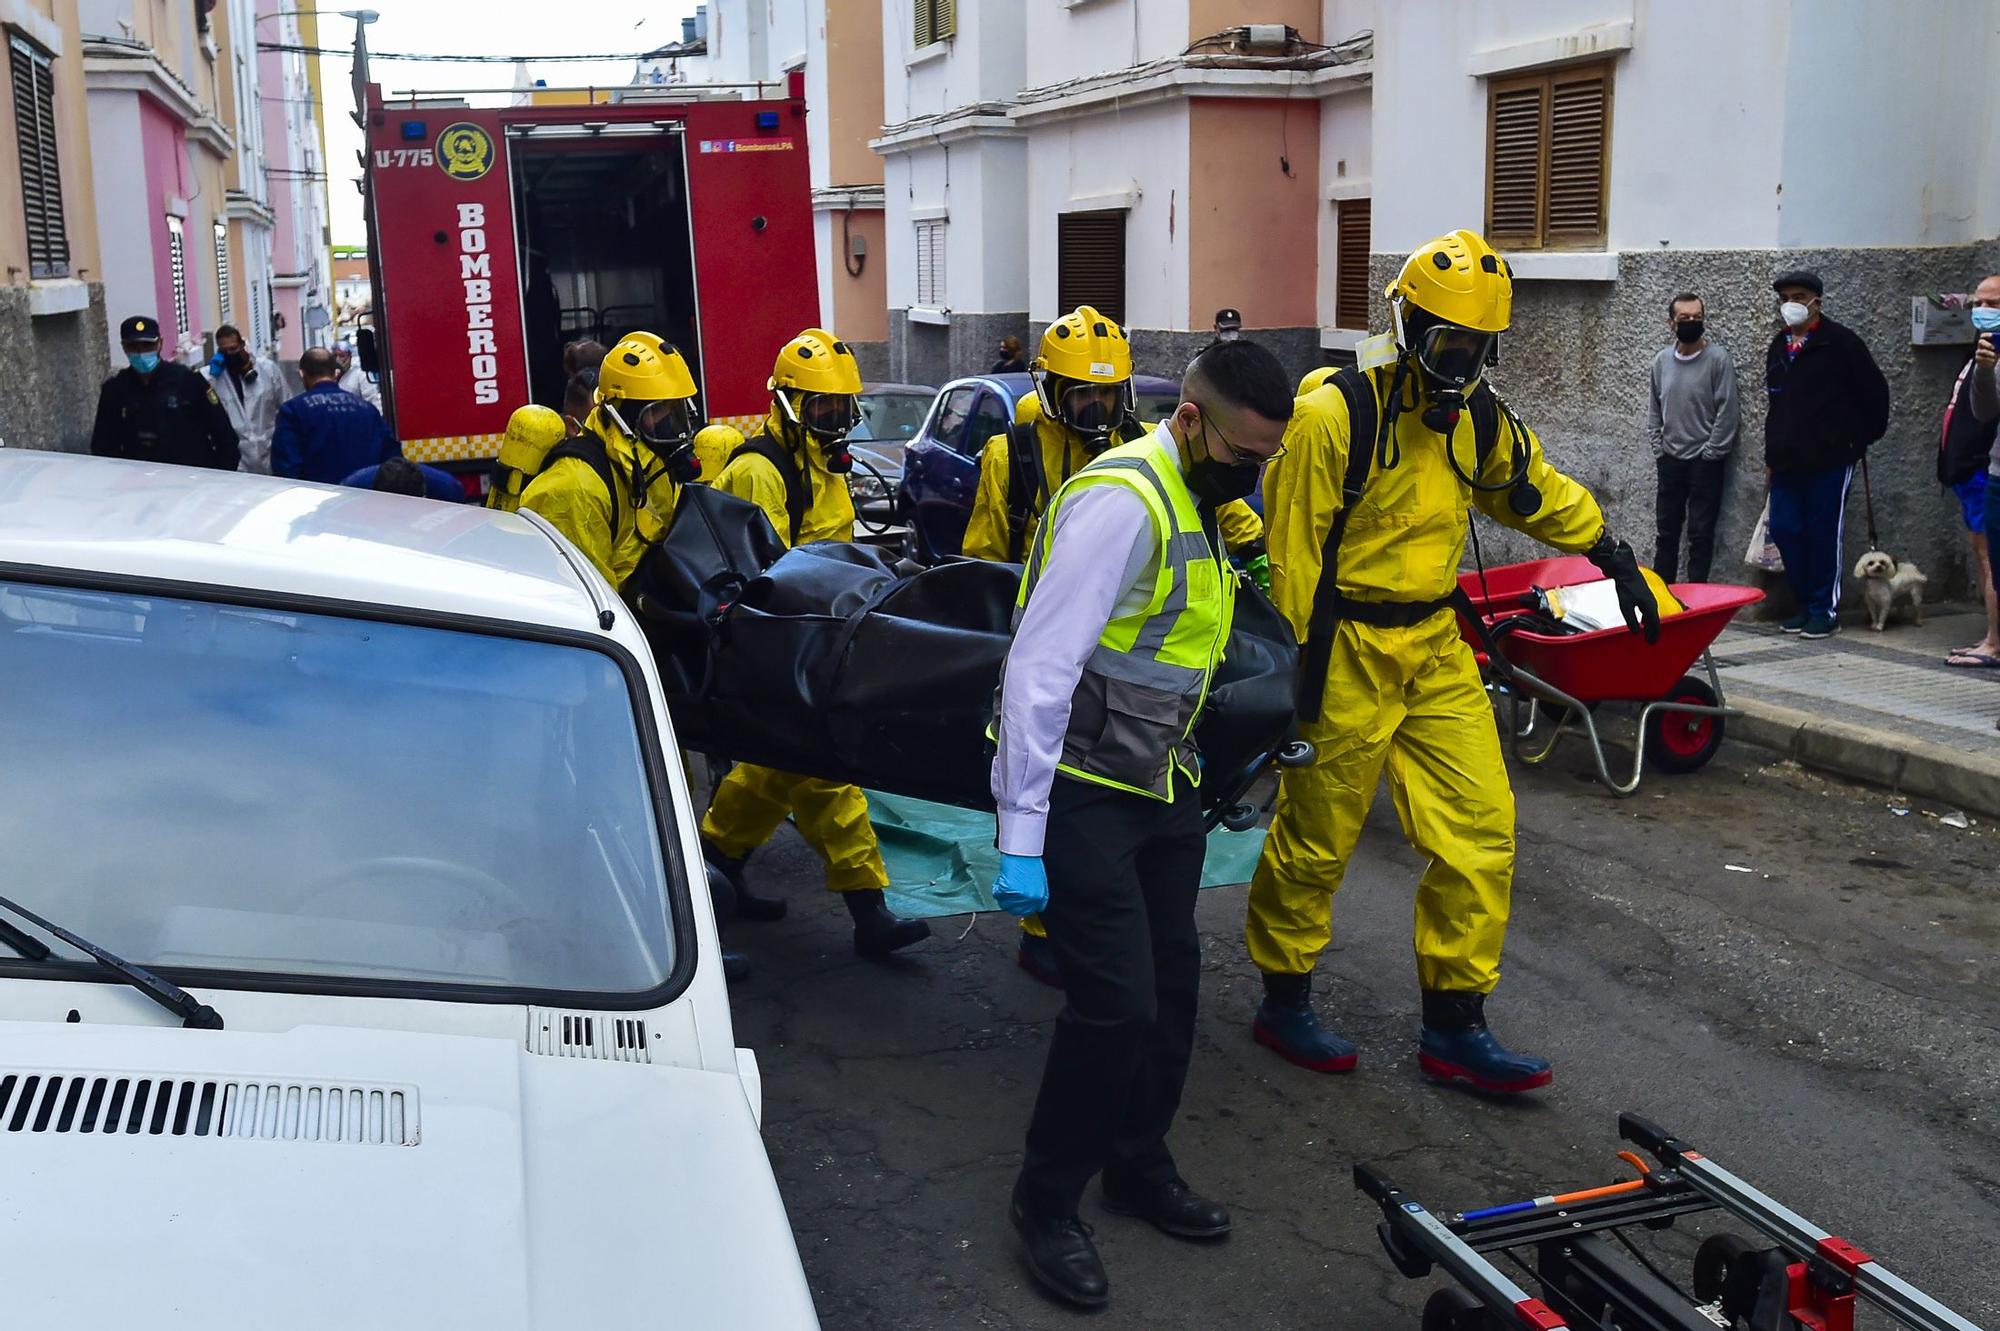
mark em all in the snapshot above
pixel 1131 723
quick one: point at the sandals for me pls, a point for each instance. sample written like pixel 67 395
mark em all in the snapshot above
pixel 1968 658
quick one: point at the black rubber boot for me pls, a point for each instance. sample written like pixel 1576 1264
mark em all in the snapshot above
pixel 735 966
pixel 1456 1045
pixel 748 905
pixel 878 931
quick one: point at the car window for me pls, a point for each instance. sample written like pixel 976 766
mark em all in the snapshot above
pixel 1155 407
pixel 953 415
pixel 891 417
pixel 193 784
pixel 989 418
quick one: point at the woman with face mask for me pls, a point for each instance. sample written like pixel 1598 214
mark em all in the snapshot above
pixel 1828 403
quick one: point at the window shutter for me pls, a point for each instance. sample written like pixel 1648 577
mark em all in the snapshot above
pixel 922 31
pixel 223 296
pixel 944 20
pixel 1090 262
pixel 177 260
pixel 1579 109
pixel 1350 266
pixel 1514 164
pixel 930 265
pixel 41 173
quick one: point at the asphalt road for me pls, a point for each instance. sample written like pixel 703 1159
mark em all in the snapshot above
pixel 1824 1025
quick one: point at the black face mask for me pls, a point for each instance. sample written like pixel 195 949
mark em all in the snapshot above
pixel 1689 331
pixel 1212 482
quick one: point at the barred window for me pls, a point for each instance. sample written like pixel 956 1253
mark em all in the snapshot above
pixel 224 300
pixel 177 260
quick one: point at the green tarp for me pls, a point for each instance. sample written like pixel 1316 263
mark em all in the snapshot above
pixel 941 858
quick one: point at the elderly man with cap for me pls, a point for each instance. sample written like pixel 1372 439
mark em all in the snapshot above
pixel 158 410
pixel 1828 402
pixel 1228 325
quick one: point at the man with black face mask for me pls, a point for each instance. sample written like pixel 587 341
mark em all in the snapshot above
pixel 252 389
pixel 1367 516
pixel 1691 417
pixel 1124 606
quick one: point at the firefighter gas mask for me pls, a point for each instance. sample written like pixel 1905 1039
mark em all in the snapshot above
pixel 826 418
pixel 666 428
pixel 1093 410
pixel 1450 357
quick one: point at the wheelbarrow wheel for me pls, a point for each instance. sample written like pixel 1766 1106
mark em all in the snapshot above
pixel 1455 1310
pixel 1726 1272
pixel 1681 742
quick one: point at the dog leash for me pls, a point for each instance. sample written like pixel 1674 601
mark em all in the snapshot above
pixel 1868 498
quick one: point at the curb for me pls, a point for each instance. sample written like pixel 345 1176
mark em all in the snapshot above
pixel 1863 753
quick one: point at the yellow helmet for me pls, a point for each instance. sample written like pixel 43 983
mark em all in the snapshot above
pixel 1083 375
pixel 645 388
pixel 531 432
pixel 816 387
pixel 643 368
pixel 1450 303
pixel 1316 379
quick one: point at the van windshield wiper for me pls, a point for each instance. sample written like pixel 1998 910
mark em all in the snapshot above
pixel 191 1010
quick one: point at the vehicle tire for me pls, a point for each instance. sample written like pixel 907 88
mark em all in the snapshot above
pixel 1679 742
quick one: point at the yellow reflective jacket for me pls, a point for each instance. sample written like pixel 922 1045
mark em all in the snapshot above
pixel 570 494
pixel 988 532
pixel 829 514
pixel 1406 537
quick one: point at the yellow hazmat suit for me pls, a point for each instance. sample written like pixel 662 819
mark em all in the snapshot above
pixel 752 801
pixel 1405 702
pixel 641 376
pixel 712 446
pixel 531 432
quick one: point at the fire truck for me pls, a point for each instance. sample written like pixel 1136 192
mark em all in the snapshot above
pixel 498 235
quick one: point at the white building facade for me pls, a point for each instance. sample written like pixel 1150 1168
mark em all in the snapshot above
pixel 302 280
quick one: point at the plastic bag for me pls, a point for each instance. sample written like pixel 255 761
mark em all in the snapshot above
pixel 1763 552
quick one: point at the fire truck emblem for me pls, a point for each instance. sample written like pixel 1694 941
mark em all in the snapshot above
pixel 464 151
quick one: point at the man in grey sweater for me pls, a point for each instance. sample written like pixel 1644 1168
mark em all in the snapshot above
pixel 1691 416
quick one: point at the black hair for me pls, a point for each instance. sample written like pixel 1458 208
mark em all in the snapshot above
pixel 229 330
pixel 399 476
pixel 1686 296
pixel 580 392
pixel 1244 374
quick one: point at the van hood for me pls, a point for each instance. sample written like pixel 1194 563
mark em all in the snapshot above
pixel 329 1177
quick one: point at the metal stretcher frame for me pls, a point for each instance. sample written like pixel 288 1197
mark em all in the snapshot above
pixel 1686 1181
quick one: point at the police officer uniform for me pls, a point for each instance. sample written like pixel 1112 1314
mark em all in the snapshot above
pixel 169 414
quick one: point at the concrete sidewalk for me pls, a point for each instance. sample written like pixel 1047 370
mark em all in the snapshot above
pixel 1878 707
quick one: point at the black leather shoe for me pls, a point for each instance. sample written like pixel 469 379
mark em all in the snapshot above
pixel 746 905
pixel 878 931
pixel 1061 1258
pixel 1172 1207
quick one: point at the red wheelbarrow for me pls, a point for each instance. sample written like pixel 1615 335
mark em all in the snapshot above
pixel 1557 679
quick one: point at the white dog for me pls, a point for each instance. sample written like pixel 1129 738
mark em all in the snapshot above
pixel 1885 583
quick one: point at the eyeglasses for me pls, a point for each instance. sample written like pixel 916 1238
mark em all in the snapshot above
pixel 1236 454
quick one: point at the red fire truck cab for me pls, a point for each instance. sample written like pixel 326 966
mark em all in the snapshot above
pixel 498 235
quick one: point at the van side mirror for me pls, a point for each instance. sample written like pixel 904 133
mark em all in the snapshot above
pixel 364 349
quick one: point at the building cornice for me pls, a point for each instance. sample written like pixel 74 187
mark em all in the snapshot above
pixel 1180 79
pixel 841 198
pixel 241 207
pixel 110 66
pixel 981 120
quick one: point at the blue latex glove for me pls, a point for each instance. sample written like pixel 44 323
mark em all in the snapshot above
pixel 1022 887
pixel 215 366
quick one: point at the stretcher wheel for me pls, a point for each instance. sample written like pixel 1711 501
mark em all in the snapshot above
pixel 1680 742
pixel 1725 1269
pixel 1455 1310
pixel 1297 753
pixel 1239 817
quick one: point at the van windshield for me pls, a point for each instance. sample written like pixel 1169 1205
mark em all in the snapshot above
pixel 201 785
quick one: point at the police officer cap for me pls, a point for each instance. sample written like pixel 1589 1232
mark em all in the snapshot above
pixel 139 328
pixel 1228 319
pixel 1800 277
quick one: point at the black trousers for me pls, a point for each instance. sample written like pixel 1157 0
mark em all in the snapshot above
pixel 1690 492
pixel 1123 873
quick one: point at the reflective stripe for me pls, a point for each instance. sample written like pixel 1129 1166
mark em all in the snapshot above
pixel 1114 664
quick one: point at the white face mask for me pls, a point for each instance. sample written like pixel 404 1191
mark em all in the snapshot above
pixel 1794 314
